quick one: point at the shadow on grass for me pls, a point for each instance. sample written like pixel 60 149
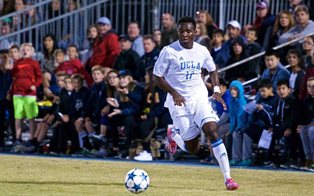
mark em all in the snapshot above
pixel 61 183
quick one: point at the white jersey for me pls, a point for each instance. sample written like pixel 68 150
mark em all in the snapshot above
pixel 181 68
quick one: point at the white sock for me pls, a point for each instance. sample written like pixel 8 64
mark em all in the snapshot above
pixel 178 139
pixel 81 136
pixel 221 155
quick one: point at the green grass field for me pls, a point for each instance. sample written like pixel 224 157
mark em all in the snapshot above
pixel 53 176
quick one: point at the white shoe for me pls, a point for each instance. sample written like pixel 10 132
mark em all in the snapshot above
pixel 144 156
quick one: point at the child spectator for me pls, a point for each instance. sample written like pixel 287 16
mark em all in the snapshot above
pixel 306 126
pixel 275 70
pixel 74 65
pixel 79 104
pixel 65 131
pixel 27 77
pixel 95 105
pixel 242 143
pixel 284 123
pixel 253 47
pixel 14 53
pixel 243 72
pixel 216 52
pixel 50 117
pixel 264 111
pixel 5 81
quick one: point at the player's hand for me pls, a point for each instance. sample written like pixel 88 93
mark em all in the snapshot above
pixel 218 97
pixel 178 99
pixel 115 112
pixel 287 133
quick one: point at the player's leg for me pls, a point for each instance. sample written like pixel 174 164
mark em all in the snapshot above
pixel 220 152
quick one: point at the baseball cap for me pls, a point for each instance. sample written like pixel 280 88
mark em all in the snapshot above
pixel 125 72
pixel 261 5
pixel 124 37
pixel 103 20
pixel 235 24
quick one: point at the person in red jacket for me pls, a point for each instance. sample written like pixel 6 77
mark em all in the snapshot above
pixel 74 65
pixel 26 74
pixel 106 47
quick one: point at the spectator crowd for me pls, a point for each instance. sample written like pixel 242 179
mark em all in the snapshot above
pixel 105 103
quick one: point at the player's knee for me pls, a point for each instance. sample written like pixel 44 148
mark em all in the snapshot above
pixel 210 130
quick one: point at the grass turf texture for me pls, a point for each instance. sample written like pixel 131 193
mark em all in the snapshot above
pixel 54 176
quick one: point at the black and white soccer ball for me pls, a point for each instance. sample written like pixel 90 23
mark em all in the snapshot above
pixel 136 181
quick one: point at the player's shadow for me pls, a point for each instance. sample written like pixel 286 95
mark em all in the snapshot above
pixel 61 183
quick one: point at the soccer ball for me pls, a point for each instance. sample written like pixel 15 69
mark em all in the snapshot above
pixel 136 181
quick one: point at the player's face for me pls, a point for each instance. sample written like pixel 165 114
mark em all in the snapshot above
pixel 234 92
pixel 283 91
pixel 98 76
pixel 310 88
pixel 186 34
pixel 265 92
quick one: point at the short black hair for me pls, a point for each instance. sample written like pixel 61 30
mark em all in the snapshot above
pixel 265 83
pixel 283 83
pixel 272 52
pixel 187 19
pixel 223 82
pixel 219 31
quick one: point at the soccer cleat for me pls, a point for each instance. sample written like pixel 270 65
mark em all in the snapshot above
pixel 231 185
pixel 171 145
pixel 144 156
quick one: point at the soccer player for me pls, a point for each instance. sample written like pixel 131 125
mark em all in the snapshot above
pixel 178 72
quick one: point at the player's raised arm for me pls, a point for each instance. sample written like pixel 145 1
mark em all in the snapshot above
pixel 164 85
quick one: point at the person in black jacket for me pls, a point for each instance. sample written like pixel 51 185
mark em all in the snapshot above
pixel 244 71
pixel 79 104
pixel 284 124
pixel 153 115
pixel 128 58
pixel 66 130
pixel 96 103
pixel 151 53
pixel 306 125
pixel 125 100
